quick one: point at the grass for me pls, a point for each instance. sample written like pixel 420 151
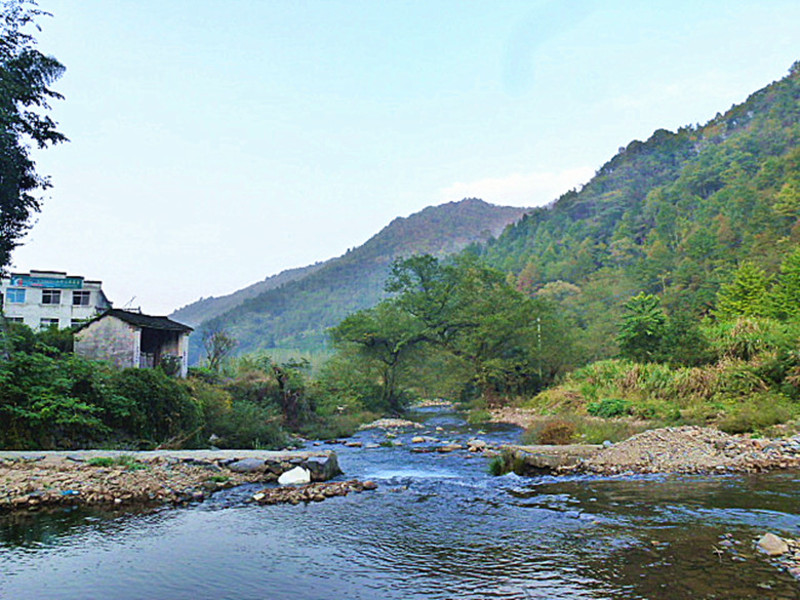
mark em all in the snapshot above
pixel 733 394
pixel 478 416
pixel 580 429
pixel 123 460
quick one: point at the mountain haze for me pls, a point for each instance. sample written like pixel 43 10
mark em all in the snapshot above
pixel 297 311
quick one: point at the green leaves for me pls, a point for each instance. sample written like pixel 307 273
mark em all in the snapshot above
pixel 643 328
pixel 25 77
pixel 746 295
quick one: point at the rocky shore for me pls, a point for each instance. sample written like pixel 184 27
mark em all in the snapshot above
pixel 92 478
pixel 666 450
pixel 313 492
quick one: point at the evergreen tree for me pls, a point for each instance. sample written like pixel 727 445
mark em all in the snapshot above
pixel 746 295
pixel 644 326
pixel 786 294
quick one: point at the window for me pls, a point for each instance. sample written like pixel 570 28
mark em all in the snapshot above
pixel 45 323
pixel 15 319
pixel 15 295
pixel 51 296
pixel 76 322
pixel 81 298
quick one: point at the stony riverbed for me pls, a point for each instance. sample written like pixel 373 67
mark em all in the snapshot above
pixel 87 479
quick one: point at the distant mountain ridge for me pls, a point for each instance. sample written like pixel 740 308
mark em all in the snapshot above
pixel 207 308
pixel 294 309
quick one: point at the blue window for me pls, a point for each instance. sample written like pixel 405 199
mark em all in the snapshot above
pixel 15 295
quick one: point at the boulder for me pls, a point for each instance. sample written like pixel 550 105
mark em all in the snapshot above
pixel 247 465
pixel 476 445
pixel 322 468
pixel 295 476
pixel 772 545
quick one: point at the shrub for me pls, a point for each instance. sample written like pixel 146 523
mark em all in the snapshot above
pixel 609 407
pixel 555 432
pixel 163 408
pixel 249 425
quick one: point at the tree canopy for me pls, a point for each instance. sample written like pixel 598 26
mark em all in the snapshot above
pixel 26 75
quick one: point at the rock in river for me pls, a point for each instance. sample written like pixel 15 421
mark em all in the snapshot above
pixel 772 545
pixel 298 475
pixel 247 465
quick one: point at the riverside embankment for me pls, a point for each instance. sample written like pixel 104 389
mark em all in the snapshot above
pixel 97 477
pixel 666 450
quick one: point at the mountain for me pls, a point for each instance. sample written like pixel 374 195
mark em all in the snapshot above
pixel 295 313
pixel 672 216
pixel 207 308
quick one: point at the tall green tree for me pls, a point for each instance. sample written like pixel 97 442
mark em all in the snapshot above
pixel 25 79
pixel 644 326
pixel 786 293
pixel 746 295
pixel 385 335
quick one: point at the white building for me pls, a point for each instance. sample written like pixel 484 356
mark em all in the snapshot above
pixel 40 299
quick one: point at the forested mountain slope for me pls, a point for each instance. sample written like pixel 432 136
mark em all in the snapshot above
pixel 671 215
pixel 207 308
pixel 297 314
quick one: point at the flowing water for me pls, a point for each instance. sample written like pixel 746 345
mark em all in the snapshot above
pixel 439 526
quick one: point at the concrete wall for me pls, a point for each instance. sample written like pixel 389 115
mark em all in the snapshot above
pixel 111 340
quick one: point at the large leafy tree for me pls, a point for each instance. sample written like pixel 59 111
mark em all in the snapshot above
pixel 509 342
pixel 386 336
pixel 644 326
pixel 746 295
pixel 25 79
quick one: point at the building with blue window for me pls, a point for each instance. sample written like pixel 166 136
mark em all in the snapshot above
pixel 43 299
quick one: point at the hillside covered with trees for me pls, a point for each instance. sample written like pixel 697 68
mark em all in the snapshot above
pixel 672 216
pixel 667 289
pixel 297 313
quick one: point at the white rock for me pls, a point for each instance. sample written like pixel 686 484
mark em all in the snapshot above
pixel 295 476
pixel 772 544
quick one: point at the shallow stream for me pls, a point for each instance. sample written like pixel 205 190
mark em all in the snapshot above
pixel 439 527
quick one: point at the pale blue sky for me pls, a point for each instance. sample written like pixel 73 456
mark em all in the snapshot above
pixel 215 143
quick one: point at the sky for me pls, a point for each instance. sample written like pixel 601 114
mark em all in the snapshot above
pixel 215 143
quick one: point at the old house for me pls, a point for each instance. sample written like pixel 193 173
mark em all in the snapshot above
pixel 131 339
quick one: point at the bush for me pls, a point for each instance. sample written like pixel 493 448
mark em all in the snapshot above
pixel 760 412
pixel 248 425
pixel 609 407
pixel 556 432
pixel 163 409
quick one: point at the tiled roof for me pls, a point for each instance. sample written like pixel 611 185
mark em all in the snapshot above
pixel 146 321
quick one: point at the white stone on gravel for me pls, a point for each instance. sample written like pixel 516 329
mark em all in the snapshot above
pixel 295 476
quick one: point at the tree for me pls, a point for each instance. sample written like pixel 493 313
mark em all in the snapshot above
pixel 218 345
pixel 746 295
pixel 786 294
pixel 644 326
pixel 385 335
pixel 25 77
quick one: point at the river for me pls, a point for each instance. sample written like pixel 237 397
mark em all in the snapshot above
pixel 438 527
